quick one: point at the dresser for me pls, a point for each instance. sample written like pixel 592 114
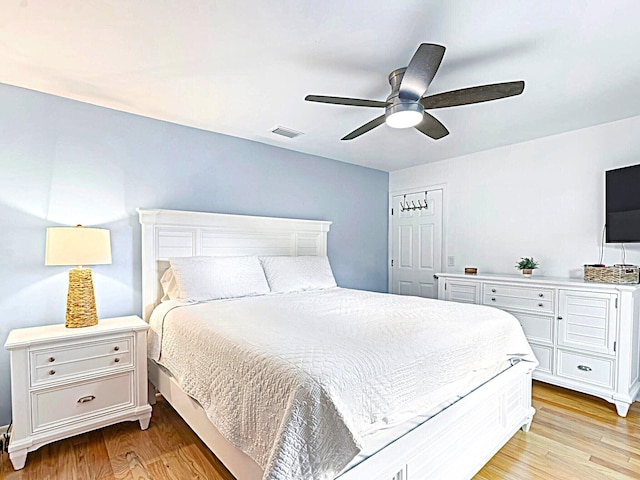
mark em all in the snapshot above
pixel 585 335
pixel 67 381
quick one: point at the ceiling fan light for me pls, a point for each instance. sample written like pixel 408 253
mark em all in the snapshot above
pixel 404 119
pixel 404 114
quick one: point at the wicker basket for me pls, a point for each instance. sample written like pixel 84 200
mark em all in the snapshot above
pixel 614 274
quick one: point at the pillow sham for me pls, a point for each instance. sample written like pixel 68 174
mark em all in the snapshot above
pixel 292 274
pixel 169 286
pixel 199 279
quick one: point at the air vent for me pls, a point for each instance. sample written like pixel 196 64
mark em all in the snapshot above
pixel 286 132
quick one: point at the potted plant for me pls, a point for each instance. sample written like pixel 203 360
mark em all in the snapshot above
pixel 527 265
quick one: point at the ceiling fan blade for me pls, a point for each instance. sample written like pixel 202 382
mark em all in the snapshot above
pixel 355 102
pixel 466 96
pixel 421 70
pixel 365 128
pixel 432 127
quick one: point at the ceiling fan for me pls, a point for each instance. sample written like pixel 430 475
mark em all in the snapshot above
pixel 406 106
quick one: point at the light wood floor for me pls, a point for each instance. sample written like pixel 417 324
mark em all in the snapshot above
pixel 573 437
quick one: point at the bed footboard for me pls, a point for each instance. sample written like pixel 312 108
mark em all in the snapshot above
pixel 460 440
pixel 453 445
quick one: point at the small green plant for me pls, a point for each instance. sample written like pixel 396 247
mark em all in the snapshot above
pixel 527 263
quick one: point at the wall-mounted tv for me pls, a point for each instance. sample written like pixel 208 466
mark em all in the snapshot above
pixel 623 204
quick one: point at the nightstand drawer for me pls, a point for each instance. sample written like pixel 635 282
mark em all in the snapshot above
pixel 53 364
pixel 54 407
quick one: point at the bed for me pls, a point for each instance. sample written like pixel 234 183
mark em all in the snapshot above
pixel 452 438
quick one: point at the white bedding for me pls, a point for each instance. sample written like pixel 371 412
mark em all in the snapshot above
pixel 301 381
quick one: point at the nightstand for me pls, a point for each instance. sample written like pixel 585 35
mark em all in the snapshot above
pixel 67 381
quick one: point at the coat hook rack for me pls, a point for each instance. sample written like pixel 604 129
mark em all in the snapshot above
pixel 405 206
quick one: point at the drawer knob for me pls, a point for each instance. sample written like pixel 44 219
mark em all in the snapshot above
pixel 559 317
pixel 52 372
pixel 493 299
pixel 541 304
pixel 541 295
pixel 493 290
pixel 86 399
pixel 116 348
pixel 116 360
pixel 51 359
pixel 584 368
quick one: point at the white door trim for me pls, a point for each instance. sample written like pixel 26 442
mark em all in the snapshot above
pixel 445 215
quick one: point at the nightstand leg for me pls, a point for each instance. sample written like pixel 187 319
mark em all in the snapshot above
pixel 144 421
pixel 18 458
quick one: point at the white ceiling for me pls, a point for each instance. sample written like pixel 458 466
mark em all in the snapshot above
pixel 242 67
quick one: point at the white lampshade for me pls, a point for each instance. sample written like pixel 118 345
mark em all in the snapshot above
pixel 77 246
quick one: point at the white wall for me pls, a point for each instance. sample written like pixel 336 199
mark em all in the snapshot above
pixel 543 198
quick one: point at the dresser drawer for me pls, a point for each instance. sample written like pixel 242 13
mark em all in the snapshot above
pixel 58 406
pixel 585 368
pixel 544 355
pixel 526 298
pixel 537 328
pixel 50 365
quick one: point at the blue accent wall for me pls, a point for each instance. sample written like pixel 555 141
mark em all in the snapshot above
pixel 64 162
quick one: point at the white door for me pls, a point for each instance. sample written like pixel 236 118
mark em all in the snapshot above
pixel 416 243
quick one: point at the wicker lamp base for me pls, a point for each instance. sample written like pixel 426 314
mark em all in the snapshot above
pixel 81 303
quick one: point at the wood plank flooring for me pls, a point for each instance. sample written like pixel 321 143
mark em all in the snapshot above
pixel 573 436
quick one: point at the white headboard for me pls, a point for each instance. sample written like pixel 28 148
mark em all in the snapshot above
pixel 175 233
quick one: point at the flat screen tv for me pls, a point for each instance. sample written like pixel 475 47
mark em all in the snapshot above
pixel 623 204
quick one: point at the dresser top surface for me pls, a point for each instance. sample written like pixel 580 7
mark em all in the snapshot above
pixel 23 337
pixel 538 280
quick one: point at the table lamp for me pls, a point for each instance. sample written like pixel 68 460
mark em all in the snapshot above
pixel 79 246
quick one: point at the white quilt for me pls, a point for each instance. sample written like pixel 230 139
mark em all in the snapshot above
pixel 299 381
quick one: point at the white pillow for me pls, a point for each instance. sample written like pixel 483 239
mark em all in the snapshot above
pixel 200 279
pixel 292 274
pixel 169 285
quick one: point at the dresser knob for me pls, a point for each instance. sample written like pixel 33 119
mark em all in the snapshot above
pixel 52 372
pixel 116 360
pixel 584 368
pixel 559 317
pixel 493 299
pixel 51 359
pixel 541 304
pixel 493 290
pixel 86 399
pixel 541 295
pixel 116 348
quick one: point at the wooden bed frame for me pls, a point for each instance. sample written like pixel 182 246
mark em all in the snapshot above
pixel 453 444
